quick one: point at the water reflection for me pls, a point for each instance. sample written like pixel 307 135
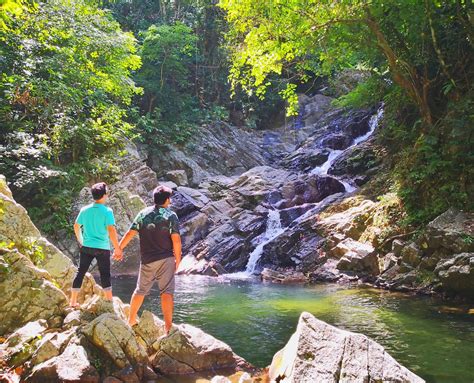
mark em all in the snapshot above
pixel 257 319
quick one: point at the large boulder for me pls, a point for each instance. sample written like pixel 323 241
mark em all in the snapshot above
pixel 319 352
pixel 357 257
pixel 305 159
pixel 308 189
pixel 358 162
pixel 16 227
pixel 257 184
pixel 457 274
pixel 452 231
pixel 73 365
pixel 116 339
pixel 27 293
pixel 190 350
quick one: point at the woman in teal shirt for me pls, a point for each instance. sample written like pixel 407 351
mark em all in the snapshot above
pixel 94 229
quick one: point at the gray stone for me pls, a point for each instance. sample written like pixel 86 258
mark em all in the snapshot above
pixel 189 350
pixel 71 366
pixel 457 274
pixel 397 247
pixel 26 293
pixel 179 177
pixel 111 335
pixel 318 352
pixel 411 255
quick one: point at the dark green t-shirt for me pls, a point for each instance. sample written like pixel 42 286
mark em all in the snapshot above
pixel 155 226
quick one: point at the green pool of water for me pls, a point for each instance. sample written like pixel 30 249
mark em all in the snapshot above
pixel 433 338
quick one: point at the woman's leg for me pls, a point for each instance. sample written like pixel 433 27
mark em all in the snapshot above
pixel 84 264
pixel 103 261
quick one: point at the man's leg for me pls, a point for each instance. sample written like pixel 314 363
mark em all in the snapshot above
pixel 135 304
pixel 165 276
pixel 103 261
pixel 85 261
pixel 146 277
pixel 167 308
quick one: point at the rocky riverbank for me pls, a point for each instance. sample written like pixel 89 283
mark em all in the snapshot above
pixel 44 340
pixel 299 204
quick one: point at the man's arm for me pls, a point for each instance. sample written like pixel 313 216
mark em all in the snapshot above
pixel 127 238
pixel 176 239
pixel 78 232
pixel 124 242
pixel 114 238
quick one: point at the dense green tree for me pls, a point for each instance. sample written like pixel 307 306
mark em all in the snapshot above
pixel 64 92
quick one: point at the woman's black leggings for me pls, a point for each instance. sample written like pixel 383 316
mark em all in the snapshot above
pixel 103 261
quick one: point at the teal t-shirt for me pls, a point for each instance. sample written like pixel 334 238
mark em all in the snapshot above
pixel 94 219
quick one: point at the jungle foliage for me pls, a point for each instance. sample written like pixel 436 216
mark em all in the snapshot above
pixel 421 56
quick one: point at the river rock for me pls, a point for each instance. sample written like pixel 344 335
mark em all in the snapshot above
pixel 179 177
pixel 16 227
pixel 319 352
pixel 26 293
pixel 116 339
pixel 356 256
pixel 194 228
pixel 457 274
pixel 255 185
pixel 308 189
pixel 357 161
pixel 51 345
pixel 284 277
pixel 358 123
pixel 336 141
pixel 20 345
pixel 350 218
pixel 305 159
pixel 189 350
pixel 453 229
pixel 72 365
pixel 411 255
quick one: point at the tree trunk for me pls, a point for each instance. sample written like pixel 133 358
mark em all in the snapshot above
pixel 403 73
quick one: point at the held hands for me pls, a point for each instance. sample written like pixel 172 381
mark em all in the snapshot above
pixel 118 254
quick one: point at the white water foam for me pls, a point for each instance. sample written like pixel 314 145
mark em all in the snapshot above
pixel 335 154
pixel 273 230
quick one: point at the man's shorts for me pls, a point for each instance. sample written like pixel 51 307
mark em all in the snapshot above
pixel 161 271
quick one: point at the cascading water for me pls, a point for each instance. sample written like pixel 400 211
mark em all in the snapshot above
pixel 273 230
pixel 335 154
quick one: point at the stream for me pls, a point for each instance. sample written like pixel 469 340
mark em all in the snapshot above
pixel 431 337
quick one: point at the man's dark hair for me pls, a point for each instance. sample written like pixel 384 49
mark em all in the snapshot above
pixel 161 194
pixel 98 190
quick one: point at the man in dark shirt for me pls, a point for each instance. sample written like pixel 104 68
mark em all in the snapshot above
pixel 160 250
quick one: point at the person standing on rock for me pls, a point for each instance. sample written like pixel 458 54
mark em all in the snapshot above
pixel 160 250
pixel 94 229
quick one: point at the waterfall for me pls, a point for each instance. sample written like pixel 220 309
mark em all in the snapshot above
pixel 335 154
pixel 273 230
